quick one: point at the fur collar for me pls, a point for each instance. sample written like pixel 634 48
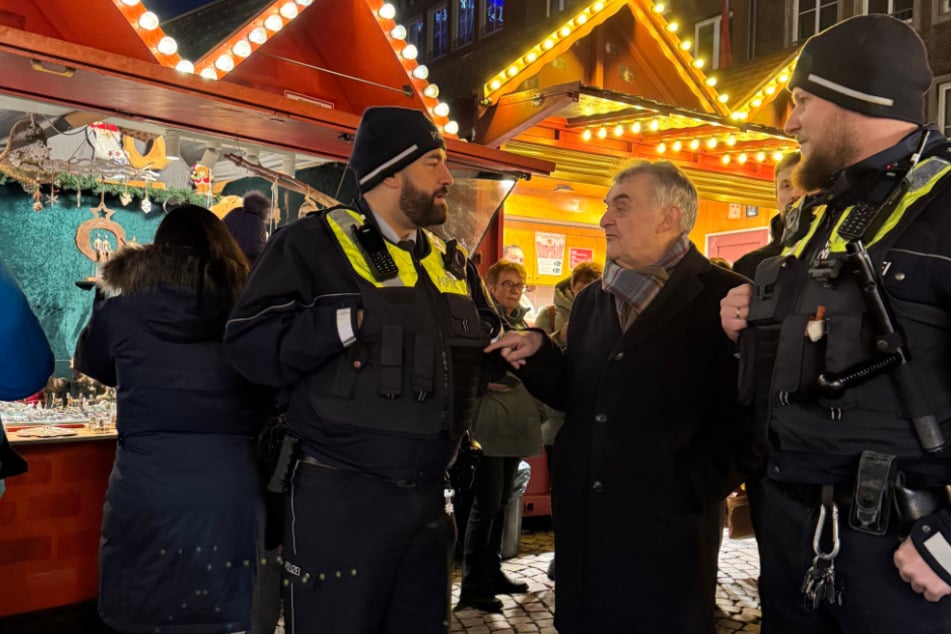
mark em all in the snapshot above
pixel 138 268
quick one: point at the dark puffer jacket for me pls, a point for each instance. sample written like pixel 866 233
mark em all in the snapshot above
pixel 178 530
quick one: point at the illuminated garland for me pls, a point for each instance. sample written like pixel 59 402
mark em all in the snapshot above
pixel 94 185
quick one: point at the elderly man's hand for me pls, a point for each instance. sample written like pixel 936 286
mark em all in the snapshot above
pixel 516 346
pixel 734 309
pixel 916 571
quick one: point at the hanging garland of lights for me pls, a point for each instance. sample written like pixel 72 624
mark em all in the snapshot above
pixel 94 185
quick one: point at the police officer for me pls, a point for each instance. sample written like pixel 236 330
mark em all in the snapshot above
pixel 851 329
pixel 371 326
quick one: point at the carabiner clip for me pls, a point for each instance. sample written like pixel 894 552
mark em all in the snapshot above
pixel 817 536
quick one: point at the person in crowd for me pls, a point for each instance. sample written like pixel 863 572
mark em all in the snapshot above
pixel 373 326
pixel 787 193
pixel 513 253
pixel 507 426
pixel 554 321
pixel 653 438
pixel 853 319
pixel 178 532
pixel 28 361
pixel 248 224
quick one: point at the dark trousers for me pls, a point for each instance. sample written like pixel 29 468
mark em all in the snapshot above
pixel 875 599
pixel 482 556
pixel 365 556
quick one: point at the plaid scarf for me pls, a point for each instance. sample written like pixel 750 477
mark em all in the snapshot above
pixel 634 289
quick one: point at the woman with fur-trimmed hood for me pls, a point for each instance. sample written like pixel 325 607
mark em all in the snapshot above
pixel 178 529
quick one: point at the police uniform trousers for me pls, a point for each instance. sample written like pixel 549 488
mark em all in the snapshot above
pixel 875 599
pixel 365 555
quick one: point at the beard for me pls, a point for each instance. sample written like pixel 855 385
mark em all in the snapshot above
pixel 834 153
pixel 421 207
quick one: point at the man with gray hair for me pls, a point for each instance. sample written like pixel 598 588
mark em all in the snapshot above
pixel 653 437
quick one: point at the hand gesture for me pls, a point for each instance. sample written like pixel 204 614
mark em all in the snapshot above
pixel 734 309
pixel 516 346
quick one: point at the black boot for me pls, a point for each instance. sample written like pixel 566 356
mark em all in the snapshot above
pixel 478 600
pixel 499 583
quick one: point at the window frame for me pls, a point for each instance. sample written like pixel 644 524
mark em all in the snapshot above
pixel 422 43
pixel 943 90
pixel 817 6
pixel 717 22
pixel 431 29
pixel 484 18
pixel 891 9
pixel 455 16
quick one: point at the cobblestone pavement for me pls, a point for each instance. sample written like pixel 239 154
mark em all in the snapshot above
pixel 737 596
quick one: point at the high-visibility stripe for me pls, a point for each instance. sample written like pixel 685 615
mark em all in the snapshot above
pixel 850 92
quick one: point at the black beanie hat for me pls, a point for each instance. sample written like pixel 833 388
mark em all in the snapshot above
pixel 248 224
pixel 872 64
pixel 388 139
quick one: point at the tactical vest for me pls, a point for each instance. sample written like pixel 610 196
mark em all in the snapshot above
pixel 415 367
pixel 786 298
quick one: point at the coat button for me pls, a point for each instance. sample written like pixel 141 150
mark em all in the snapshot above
pixel 597 486
pixel 601 418
pixel 619 356
pixel 900 277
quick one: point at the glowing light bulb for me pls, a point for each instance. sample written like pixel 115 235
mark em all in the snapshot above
pixel 225 63
pixel 711 142
pixel 441 109
pixel 387 11
pixel 421 72
pixel 531 57
pixel 598 6
pixel 258 35
pixel 654 125
pixel 304 3
pixel 581 19
pixel 636 127
pixel 726 159
pixel 130 3
pixel 431 91
pixel 618 130
pixel 698 63
pixel 731 140
pixel 241 48
pixel 512 71
pixel 586 135
pixel 289 10
pixel 410 52
pixel 686 45
pixel 602 133
pixel 185 66
pixel 673 26
pixel 711 81
pixel 659 7
pixel 741 158
pixel 209 73
pixel 760 156
pixel 695 144
pixel 148 21
pixel 756 103
pixel 167 45
pixel 723 98
pixel 274 23
pixel 677 146
pixel 783 78
pixel 777 156
pixel 451 128
pixel 398 32
pixel 548 44
pixel 661 148
pixel 495 84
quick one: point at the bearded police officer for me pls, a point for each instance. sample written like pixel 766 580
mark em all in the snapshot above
pixel 846 348
pixel 371 325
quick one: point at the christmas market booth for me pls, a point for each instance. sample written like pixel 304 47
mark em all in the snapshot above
pixel 111 117
pixel 617 81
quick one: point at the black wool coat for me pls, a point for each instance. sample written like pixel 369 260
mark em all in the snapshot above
pixel 653 441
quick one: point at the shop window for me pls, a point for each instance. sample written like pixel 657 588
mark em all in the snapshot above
pixel 492 19
pixel 439 30
pixel 945 6
pixel 811 16
pixel 555 6
pixel 706 37
pixel 464 23
pixel 944 108
pixel 901 9
pixel 415 33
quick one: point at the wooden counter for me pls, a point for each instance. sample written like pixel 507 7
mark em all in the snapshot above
pixel 50 520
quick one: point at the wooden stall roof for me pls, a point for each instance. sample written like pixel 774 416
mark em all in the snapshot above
pixel 47 69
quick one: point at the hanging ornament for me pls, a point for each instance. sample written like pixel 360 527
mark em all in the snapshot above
pixel 125 197
pixel 79 196
pixel 146 205
pixel 202 178
pixel 52 200
pixel 37 199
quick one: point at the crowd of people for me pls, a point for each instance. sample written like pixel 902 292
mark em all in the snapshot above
pixel 814 373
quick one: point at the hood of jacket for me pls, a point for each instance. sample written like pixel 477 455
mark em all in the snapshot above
pixel 563 297
pixel 159 285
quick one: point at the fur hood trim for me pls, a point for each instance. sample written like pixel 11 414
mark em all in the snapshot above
pixel 138 268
